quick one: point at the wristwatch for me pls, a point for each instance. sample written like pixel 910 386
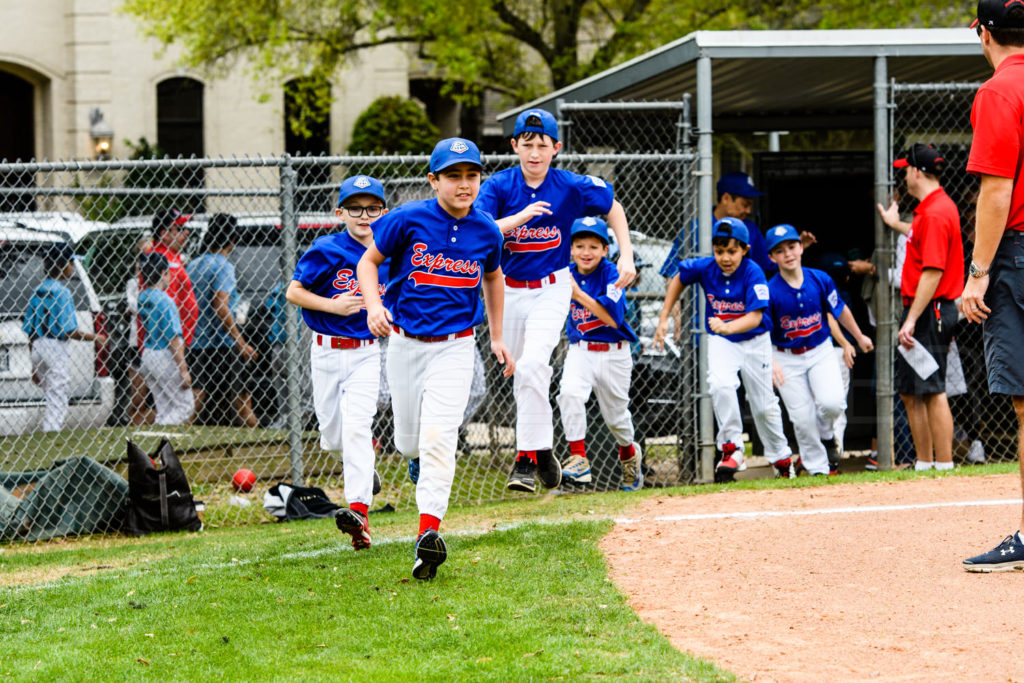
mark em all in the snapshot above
pixel 976 272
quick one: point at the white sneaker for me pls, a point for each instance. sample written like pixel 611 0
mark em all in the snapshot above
pixel 577 470
pixel 976 453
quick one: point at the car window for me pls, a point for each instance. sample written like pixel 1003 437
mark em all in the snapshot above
pixel 21 271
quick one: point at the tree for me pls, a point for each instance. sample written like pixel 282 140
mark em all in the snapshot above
pixel 393 125
pixel 518 47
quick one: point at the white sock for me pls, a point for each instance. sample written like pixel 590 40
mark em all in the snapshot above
pixel 921 465
pixel 944 465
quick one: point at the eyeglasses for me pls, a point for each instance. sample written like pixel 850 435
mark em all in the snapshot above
pixel 357 211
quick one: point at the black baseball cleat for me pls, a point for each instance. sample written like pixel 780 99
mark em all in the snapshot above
pixel 832 451
pixel 355 525
pixel 431 552
pixel 1008 556
pixel 549 470
pixel 376 483
pixel 729 463
pixel 524 476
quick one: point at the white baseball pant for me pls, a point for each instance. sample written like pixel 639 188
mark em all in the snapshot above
pixel 174 405
pixel 51 363
pixel 345 385
pixel 836 428
pixel 532 325
pixel 607 374
pixel 751 360
pixel 429 391
pixel 812 386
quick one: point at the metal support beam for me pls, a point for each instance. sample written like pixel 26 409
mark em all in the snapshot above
pixel 705 204
pixel 883 265
pixel 289 235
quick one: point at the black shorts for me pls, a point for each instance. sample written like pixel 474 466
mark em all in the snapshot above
pixel 1004 329
pixel 934 331
pixel 219 370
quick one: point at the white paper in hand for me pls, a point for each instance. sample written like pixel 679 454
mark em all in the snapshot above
pixel 918 358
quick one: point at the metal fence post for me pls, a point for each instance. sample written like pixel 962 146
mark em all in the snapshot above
pixel 883 263
pixel 289 230
pixel 705 203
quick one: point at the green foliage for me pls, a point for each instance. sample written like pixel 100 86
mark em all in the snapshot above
pixel 393 125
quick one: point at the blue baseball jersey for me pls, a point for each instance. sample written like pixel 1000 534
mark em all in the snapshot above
pixel 729 297
pixel 160 318
pixel 437 266
pixel 543 244
pixel 328 269
pixel 600 284
pixel 758 250
pixel 798 314
pixel 211 273
pixel 51 311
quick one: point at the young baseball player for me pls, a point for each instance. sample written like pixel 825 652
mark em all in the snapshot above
pixel 806 369
pixel 738 345
pixel 163 365
pixel 535 206
pixel 443 251
pixel 50 322
pixel 599 356
pixel 344 362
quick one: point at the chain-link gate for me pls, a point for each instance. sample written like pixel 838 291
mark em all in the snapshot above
pixel 939 114
pixel 104 211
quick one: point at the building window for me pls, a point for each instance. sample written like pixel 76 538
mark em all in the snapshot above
pixel 307 132
pixel 179 132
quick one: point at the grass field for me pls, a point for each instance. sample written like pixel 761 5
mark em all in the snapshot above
pixel 524 596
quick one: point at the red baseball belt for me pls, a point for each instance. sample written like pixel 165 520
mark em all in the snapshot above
pixel 444 337
pixel 530 284
pixel 341 342
pixel 602 346
pixel 795 352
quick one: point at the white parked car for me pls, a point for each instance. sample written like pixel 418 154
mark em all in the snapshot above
pixel 21 401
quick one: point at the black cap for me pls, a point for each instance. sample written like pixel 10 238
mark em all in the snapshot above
pixel 924 158
pixel 152 265
pixel 996 14
pixel 165 218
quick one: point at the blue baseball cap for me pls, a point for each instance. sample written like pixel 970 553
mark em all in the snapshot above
pixel 731 227
pixel 546 123
pixel 737 184
pixel 784 232
pixel 591 225
pixel 361 184
pixel 451 151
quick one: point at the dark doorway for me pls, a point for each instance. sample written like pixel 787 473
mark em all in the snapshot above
pixel 17 139
pixel 179 132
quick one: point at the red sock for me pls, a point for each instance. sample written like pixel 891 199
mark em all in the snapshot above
pixel 578 448
pixel 626 452
pixel 532 455
pixel 429 522
pixel 361 508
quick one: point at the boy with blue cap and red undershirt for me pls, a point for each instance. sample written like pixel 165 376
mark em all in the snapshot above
pixel 344 362
pixel 599 357
pixel 443 252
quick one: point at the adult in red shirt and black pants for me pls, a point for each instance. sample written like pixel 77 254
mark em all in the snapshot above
pixel 932 279
pixel 994 292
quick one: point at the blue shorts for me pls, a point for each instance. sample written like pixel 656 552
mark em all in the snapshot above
pixel 1004 329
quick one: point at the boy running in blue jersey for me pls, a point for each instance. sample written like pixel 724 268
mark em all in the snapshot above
pixel 163 365
pixel 344 362
pixel 806 369
pixel 535 206
pixel 443 252
pixel 738 345
pixel 599 357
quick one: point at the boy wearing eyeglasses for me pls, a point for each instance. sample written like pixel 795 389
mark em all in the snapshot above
pixel 344 360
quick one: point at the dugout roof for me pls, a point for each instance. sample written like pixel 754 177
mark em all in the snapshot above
pixel 790 80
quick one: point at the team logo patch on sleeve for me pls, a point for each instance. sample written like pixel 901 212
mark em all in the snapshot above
pixel 833 298
pixel 761 291
pixel 613 292
pixel 597 181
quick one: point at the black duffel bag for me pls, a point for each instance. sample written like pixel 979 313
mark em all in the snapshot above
pixel 159 497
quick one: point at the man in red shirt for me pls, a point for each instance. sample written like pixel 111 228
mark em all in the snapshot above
pixel 992 293
pixel 170 234
pixel 932 279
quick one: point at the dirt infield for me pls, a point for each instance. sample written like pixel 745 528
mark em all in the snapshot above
pixel 845 593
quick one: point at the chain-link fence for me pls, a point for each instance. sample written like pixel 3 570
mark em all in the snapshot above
pixel 939 114
pixel 105 211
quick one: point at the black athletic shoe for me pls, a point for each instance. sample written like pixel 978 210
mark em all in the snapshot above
pixel 376 483
pixel 1005 557
pixel 355 525
pixel 549 470
pixel 524 476
pixel 431 552
pixel 832 451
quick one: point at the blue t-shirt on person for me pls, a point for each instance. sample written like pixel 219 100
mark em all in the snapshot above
pixel 799 314
pixel 51 311
pixel 543 245
pixel 437 266
pixel 583 325
pixel 729 297
pixel 328 269
pixel 160 318
pixel 212 273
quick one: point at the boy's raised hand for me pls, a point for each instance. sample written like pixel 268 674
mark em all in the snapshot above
pixel 530 212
